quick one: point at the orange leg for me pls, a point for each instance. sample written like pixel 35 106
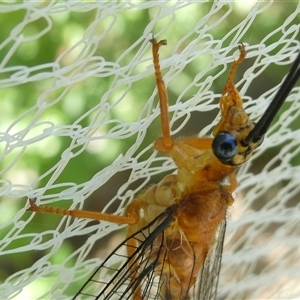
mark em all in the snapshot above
pixel 237 62
pixel 164 143
pixel 233 184
pixel 229 82
pixel 132 215
pixel 230 95
pixel 130 219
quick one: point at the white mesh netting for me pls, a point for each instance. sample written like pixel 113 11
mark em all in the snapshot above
pixel 79 114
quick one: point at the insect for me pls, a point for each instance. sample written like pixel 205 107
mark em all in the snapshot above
pixel 176 227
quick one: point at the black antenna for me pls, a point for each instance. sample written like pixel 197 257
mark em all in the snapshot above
pixel 265 121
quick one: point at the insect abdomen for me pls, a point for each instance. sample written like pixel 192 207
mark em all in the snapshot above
pixel 186 242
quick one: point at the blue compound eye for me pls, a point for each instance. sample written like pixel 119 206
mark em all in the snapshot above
pixel 224 146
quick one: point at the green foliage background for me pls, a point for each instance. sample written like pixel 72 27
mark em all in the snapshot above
pixel 66 28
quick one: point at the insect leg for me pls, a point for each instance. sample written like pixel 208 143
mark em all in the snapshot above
pixel 130 219
pixel 229 84
pixel 165 143
pixel 230 95
pixel 233 184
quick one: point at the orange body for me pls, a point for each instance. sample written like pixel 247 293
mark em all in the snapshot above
pixel 201 207
pixel 197 193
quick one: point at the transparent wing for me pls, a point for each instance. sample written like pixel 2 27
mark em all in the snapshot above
pixel 207 285
pixel 139 274
pixel 131 274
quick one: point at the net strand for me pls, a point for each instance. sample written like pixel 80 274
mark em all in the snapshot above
pixel 80 114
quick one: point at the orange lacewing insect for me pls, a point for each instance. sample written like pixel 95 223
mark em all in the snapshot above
pixel 176 228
